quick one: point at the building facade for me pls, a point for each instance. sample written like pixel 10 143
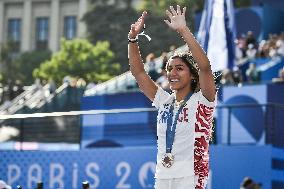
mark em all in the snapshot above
pixel 40 24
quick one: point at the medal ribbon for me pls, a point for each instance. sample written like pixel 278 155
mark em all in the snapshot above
pixel 171 126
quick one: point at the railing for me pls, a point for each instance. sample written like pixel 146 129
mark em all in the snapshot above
pixel 271 120
pixel 63 130
pixel 57 130
pixel 33 97
pixel 18 101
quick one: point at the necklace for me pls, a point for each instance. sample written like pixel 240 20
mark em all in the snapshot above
pixel 178 104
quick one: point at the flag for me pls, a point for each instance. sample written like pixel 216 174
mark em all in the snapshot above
pixel 216 33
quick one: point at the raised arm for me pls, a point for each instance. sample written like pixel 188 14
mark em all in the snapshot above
pixel 177 22
pixel 146 84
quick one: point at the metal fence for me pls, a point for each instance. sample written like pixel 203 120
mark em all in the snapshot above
pixel 63 130
pixel 270 116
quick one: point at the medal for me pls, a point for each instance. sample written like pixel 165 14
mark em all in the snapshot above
pixel 168 160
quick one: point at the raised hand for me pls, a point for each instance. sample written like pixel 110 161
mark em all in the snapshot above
pixel 177 18
pixel 136 28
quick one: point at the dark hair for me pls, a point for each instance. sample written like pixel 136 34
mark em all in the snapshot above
pixel 189 61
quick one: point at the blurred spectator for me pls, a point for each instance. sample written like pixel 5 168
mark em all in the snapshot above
pixel 6 102
pixel 1 92
pixel 251 52
pixel 37 84
pixel 237 75
pixel 51 86
pixel 238 50
pixel 172 50
pixel 152 70
pixel 10 90
pixel 3 185
pixel 85 185
pixel 263 49
pixel 67 80
pixel 73 82
pixel 81 83
pixel 252 73
pixel 280 77
pixel 248 183
pixel 280 45
pixel 164 59
pixel 162 80
pixel 247 47
pixel 272 45
pixel 90 85
pixel 242 44
pixel 18 87
pixel 227 78
pixel 250 39
pixel 272 52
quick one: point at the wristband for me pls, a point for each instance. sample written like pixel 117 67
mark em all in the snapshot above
pixel 132 40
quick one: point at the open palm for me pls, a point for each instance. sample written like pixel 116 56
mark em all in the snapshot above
pixel 177 18
pixel 137 27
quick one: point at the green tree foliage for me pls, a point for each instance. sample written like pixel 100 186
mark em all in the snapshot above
pixel 111 23
pixel 7 57
pixel 27 62
pixel 163 37
pixel 79 58
pixel 158 7
pixel 19 66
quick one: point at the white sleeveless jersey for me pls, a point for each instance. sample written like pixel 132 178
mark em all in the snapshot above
pixel 191 142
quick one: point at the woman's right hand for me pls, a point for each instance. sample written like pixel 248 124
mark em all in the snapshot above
pixel 136 28
pixel 177 18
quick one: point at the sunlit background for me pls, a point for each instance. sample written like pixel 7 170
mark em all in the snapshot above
pixel 71 111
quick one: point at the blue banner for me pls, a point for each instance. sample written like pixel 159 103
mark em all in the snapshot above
pixel 238 123
pixel 121 168
pixel 103 168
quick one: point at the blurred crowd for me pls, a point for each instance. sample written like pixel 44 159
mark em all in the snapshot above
pixel 10 91
pixel 247 50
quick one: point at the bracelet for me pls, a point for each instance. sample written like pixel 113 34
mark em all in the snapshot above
pixel 133 40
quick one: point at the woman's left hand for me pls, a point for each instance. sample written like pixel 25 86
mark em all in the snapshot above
pixel 137 27
pixel 177 18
